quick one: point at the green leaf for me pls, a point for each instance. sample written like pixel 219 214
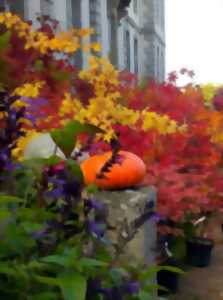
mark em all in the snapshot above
pixel 74 169
pixel 66 138
pixel 61 260
pixel 153 270
pixel 73 286
pixel 4 40
pixel 90 262
pixel 7 270
pixel 51 281
pixel 53 160
pixel 150 273
pixel 5 214
pixel 154 287
pixel 172 269
pixel 91 188
pixel 39 65
pixel 178 247
pixel 103 254
pixel 36 265
pixel 43 296
pixel 30 227
pixel 145 296
pixel 33 167
pixel 5 199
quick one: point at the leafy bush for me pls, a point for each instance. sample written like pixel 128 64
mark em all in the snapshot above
pixel 54 242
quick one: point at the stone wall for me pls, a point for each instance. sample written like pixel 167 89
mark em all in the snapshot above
pixel 124 207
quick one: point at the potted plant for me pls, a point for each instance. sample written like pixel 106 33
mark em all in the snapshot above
pixel 169 274
pixel 198 245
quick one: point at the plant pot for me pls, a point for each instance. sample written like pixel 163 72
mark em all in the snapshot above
pixel 167 279
pixel 198 252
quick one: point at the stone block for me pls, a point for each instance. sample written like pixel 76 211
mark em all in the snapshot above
pixel 124 207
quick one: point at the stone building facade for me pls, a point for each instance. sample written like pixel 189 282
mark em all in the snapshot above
pixel 135 43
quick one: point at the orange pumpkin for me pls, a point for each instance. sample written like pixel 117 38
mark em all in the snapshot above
pixel 130 172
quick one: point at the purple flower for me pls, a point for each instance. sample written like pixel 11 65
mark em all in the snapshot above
pixel 97 228
pixel 132 287
pixel 72 188
pixel 56 181
pixel 39 235
pixel 4 155
pixel 31 118
pixel 93 203
pixel 13 115
pixel 156 218
pixel 54 193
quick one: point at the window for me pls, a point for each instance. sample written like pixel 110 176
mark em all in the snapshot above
pixel 95 20
pixel 16 7
pixel 127 49
pixel 135 6
pixel 75 12
pixel 136 56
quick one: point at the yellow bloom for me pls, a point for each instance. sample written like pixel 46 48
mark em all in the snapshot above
pixel 96 47
pixel 64 42
pixel 105 109
pixel 2 115
pixel 85 32
pixel 29 90
pixel 208 91
pixel 22 142
pixel 162 123
pixel 70 106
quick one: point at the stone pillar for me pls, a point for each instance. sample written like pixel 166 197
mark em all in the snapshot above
pixel 112 11
pixel 85 23
pixel 124 207
pixel 60 12
pixel 74 20
pixel 105 42
pixel 32 10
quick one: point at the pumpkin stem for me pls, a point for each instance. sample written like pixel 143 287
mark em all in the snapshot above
pixel 115 159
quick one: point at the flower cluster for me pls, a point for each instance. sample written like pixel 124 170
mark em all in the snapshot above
pixel 105 108
pixel 68 42
pixel 29 90
pixel 10 131
pixel 209 90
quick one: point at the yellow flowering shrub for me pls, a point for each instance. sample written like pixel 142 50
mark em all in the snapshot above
pixel 29 90
pixel 67 42
pixel 50 79
pixel 209 90
pixel 105 109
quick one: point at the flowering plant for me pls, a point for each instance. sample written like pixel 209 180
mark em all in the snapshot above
pixel 184 166
pixel 54 243
pixel 53 231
